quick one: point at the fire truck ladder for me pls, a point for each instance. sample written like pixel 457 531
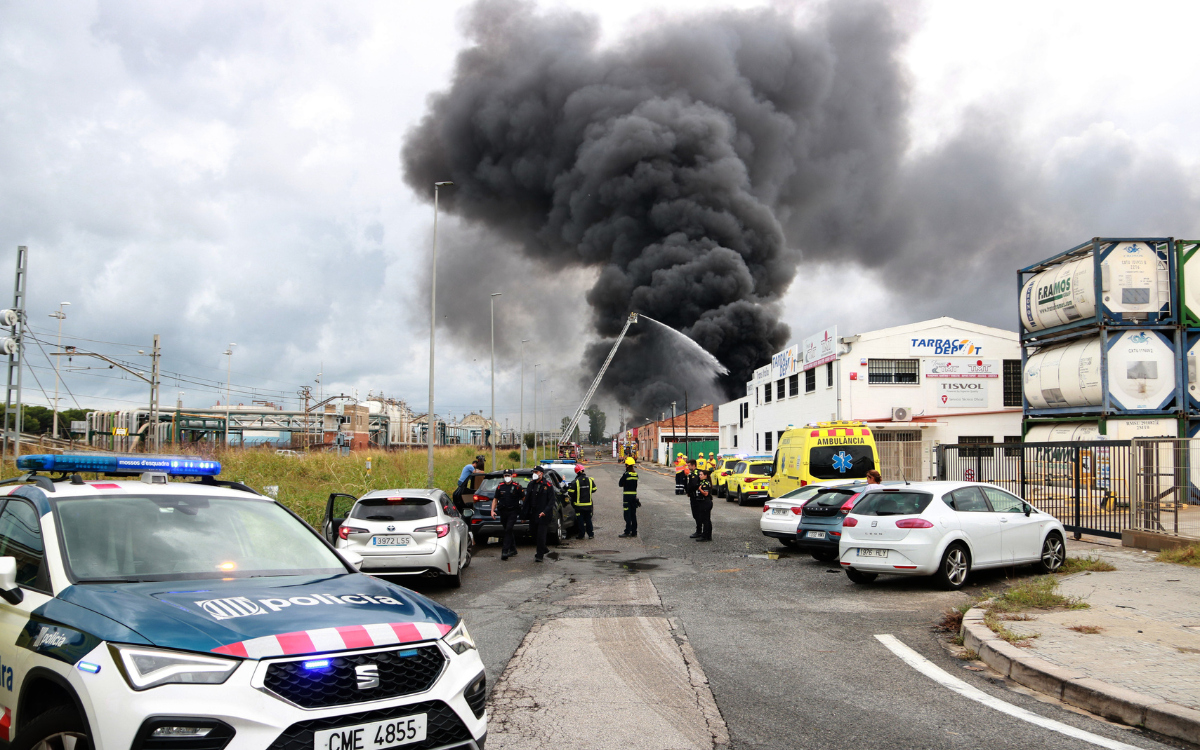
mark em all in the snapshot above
pixel 587 399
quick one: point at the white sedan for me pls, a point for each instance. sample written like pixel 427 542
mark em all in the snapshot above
pixel 946 530
pixel 403 532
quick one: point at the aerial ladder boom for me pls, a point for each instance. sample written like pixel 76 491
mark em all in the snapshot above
pixel 566 434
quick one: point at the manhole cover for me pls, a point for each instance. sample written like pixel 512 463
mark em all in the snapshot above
pixel 602 552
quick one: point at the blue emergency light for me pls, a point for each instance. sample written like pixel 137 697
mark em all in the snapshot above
pixel 176 466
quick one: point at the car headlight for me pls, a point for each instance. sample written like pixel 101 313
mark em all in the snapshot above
pixel 458 639
pixel 145 668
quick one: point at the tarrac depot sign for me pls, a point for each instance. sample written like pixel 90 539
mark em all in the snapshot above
pixel 944 347
pixel 960 368
pixel 785 362
pixel 820 349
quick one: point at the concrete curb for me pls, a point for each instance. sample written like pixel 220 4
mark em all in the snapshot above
pixel 1073 687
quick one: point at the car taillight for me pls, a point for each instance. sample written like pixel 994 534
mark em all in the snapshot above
pixel 442 529
pixel 480 498
pixel 850 522
pixel 803 482
pixel 913 523
pixel 846 506
pixel 766 508
pixel 798 510
pixel 345 531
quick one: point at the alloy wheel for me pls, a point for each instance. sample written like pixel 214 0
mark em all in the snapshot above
pixel 64 741
pixel 956 566
pixel 1053 554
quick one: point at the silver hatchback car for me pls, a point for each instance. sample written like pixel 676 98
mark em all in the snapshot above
pixel 403 532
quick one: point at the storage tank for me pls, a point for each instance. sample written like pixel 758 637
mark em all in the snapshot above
pixel 1135 284
pixel 1188 260
pixel 1116 429
pixel 1140 367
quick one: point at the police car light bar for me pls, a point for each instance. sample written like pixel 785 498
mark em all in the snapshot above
pixel 176 466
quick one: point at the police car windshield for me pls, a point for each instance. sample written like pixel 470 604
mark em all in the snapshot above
pixel 174 538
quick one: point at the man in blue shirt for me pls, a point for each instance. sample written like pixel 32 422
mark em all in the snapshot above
pixel 475 467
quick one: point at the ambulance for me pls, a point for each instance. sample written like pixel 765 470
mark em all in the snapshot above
pixel 822 452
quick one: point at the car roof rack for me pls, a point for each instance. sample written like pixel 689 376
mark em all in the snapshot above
pixel 43 482
pixel 228 484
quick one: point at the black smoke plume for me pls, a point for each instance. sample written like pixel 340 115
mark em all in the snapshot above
pixel 678 164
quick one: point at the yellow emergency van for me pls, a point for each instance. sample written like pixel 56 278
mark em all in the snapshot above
pixel 822 452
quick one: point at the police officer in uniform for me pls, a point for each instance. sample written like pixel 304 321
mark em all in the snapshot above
pixel 629 499
pixel 703 503
pixel 541 499
pixel 580 491
pixel 693 490
pixel 508 501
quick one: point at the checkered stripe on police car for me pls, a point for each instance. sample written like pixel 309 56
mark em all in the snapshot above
pixel 334 639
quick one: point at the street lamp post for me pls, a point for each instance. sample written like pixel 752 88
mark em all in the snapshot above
pixel 228 389
pixel 433 325
pixel 493 430
pixel 535 390
pixel 522 424
pixel 61 317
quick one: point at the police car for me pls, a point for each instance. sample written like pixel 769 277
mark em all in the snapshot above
pixel 152 614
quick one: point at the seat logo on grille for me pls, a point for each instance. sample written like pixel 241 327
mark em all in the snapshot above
pixel 368 676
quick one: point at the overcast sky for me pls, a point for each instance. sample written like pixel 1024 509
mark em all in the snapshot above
pixel 224 172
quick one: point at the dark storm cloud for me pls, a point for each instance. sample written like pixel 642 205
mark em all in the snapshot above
pixel 673 163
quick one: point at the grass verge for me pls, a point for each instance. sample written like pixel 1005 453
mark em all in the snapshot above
pixel 1090 564
pixel 999 628
pixel 1181 556
pixel 1036 593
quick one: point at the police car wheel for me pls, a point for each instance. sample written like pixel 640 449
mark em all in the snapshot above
pixel 56 729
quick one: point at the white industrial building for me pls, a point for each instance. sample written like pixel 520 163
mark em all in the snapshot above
pixel 920 385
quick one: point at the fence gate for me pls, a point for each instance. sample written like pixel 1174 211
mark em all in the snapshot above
pixel 1090 487
pixel 904 459
pixel 1165 495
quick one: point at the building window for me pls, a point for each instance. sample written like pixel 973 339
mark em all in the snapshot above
pixel 794 385
pixel 1012 383
pixel 778 436
pixel 767 393
pixel 965 440
pixel 892 371
pixel 779 386
pixel 810 380
pixel 1013 452
pixel 735 440
pixel 828 374
pixel 767 441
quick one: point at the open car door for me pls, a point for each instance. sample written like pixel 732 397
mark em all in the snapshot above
pixel 335 513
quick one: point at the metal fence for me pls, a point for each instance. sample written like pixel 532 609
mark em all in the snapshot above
pixel 905 459
pixel 1099 488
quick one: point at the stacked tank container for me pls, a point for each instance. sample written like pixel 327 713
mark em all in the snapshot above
pixel 1103 348
pixel 1187 259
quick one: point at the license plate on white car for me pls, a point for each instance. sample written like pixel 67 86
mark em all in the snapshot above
pixel 374 736
pixel 780 511
pixel 815 534
pixel 872 552
pixel 391 541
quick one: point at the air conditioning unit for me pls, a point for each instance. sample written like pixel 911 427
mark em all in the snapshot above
pixel 901 414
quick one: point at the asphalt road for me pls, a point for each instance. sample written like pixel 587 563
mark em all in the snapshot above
pixel 788 645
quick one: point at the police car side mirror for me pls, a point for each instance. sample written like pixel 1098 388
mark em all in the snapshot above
pixel 351 557
pixel 8 581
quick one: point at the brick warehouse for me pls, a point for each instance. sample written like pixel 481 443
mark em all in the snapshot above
pixel 653 438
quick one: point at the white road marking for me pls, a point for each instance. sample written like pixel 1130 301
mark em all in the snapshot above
pixel 941 676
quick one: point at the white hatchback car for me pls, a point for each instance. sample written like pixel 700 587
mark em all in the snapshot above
pixel 946 529
pixel 404 532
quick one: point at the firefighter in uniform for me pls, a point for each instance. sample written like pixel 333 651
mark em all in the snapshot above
pixel 580 491
pixel 680 475
pixel 629 499
pixel 693 490
pixel 541 499
pixel 508 502
pixel 703 503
